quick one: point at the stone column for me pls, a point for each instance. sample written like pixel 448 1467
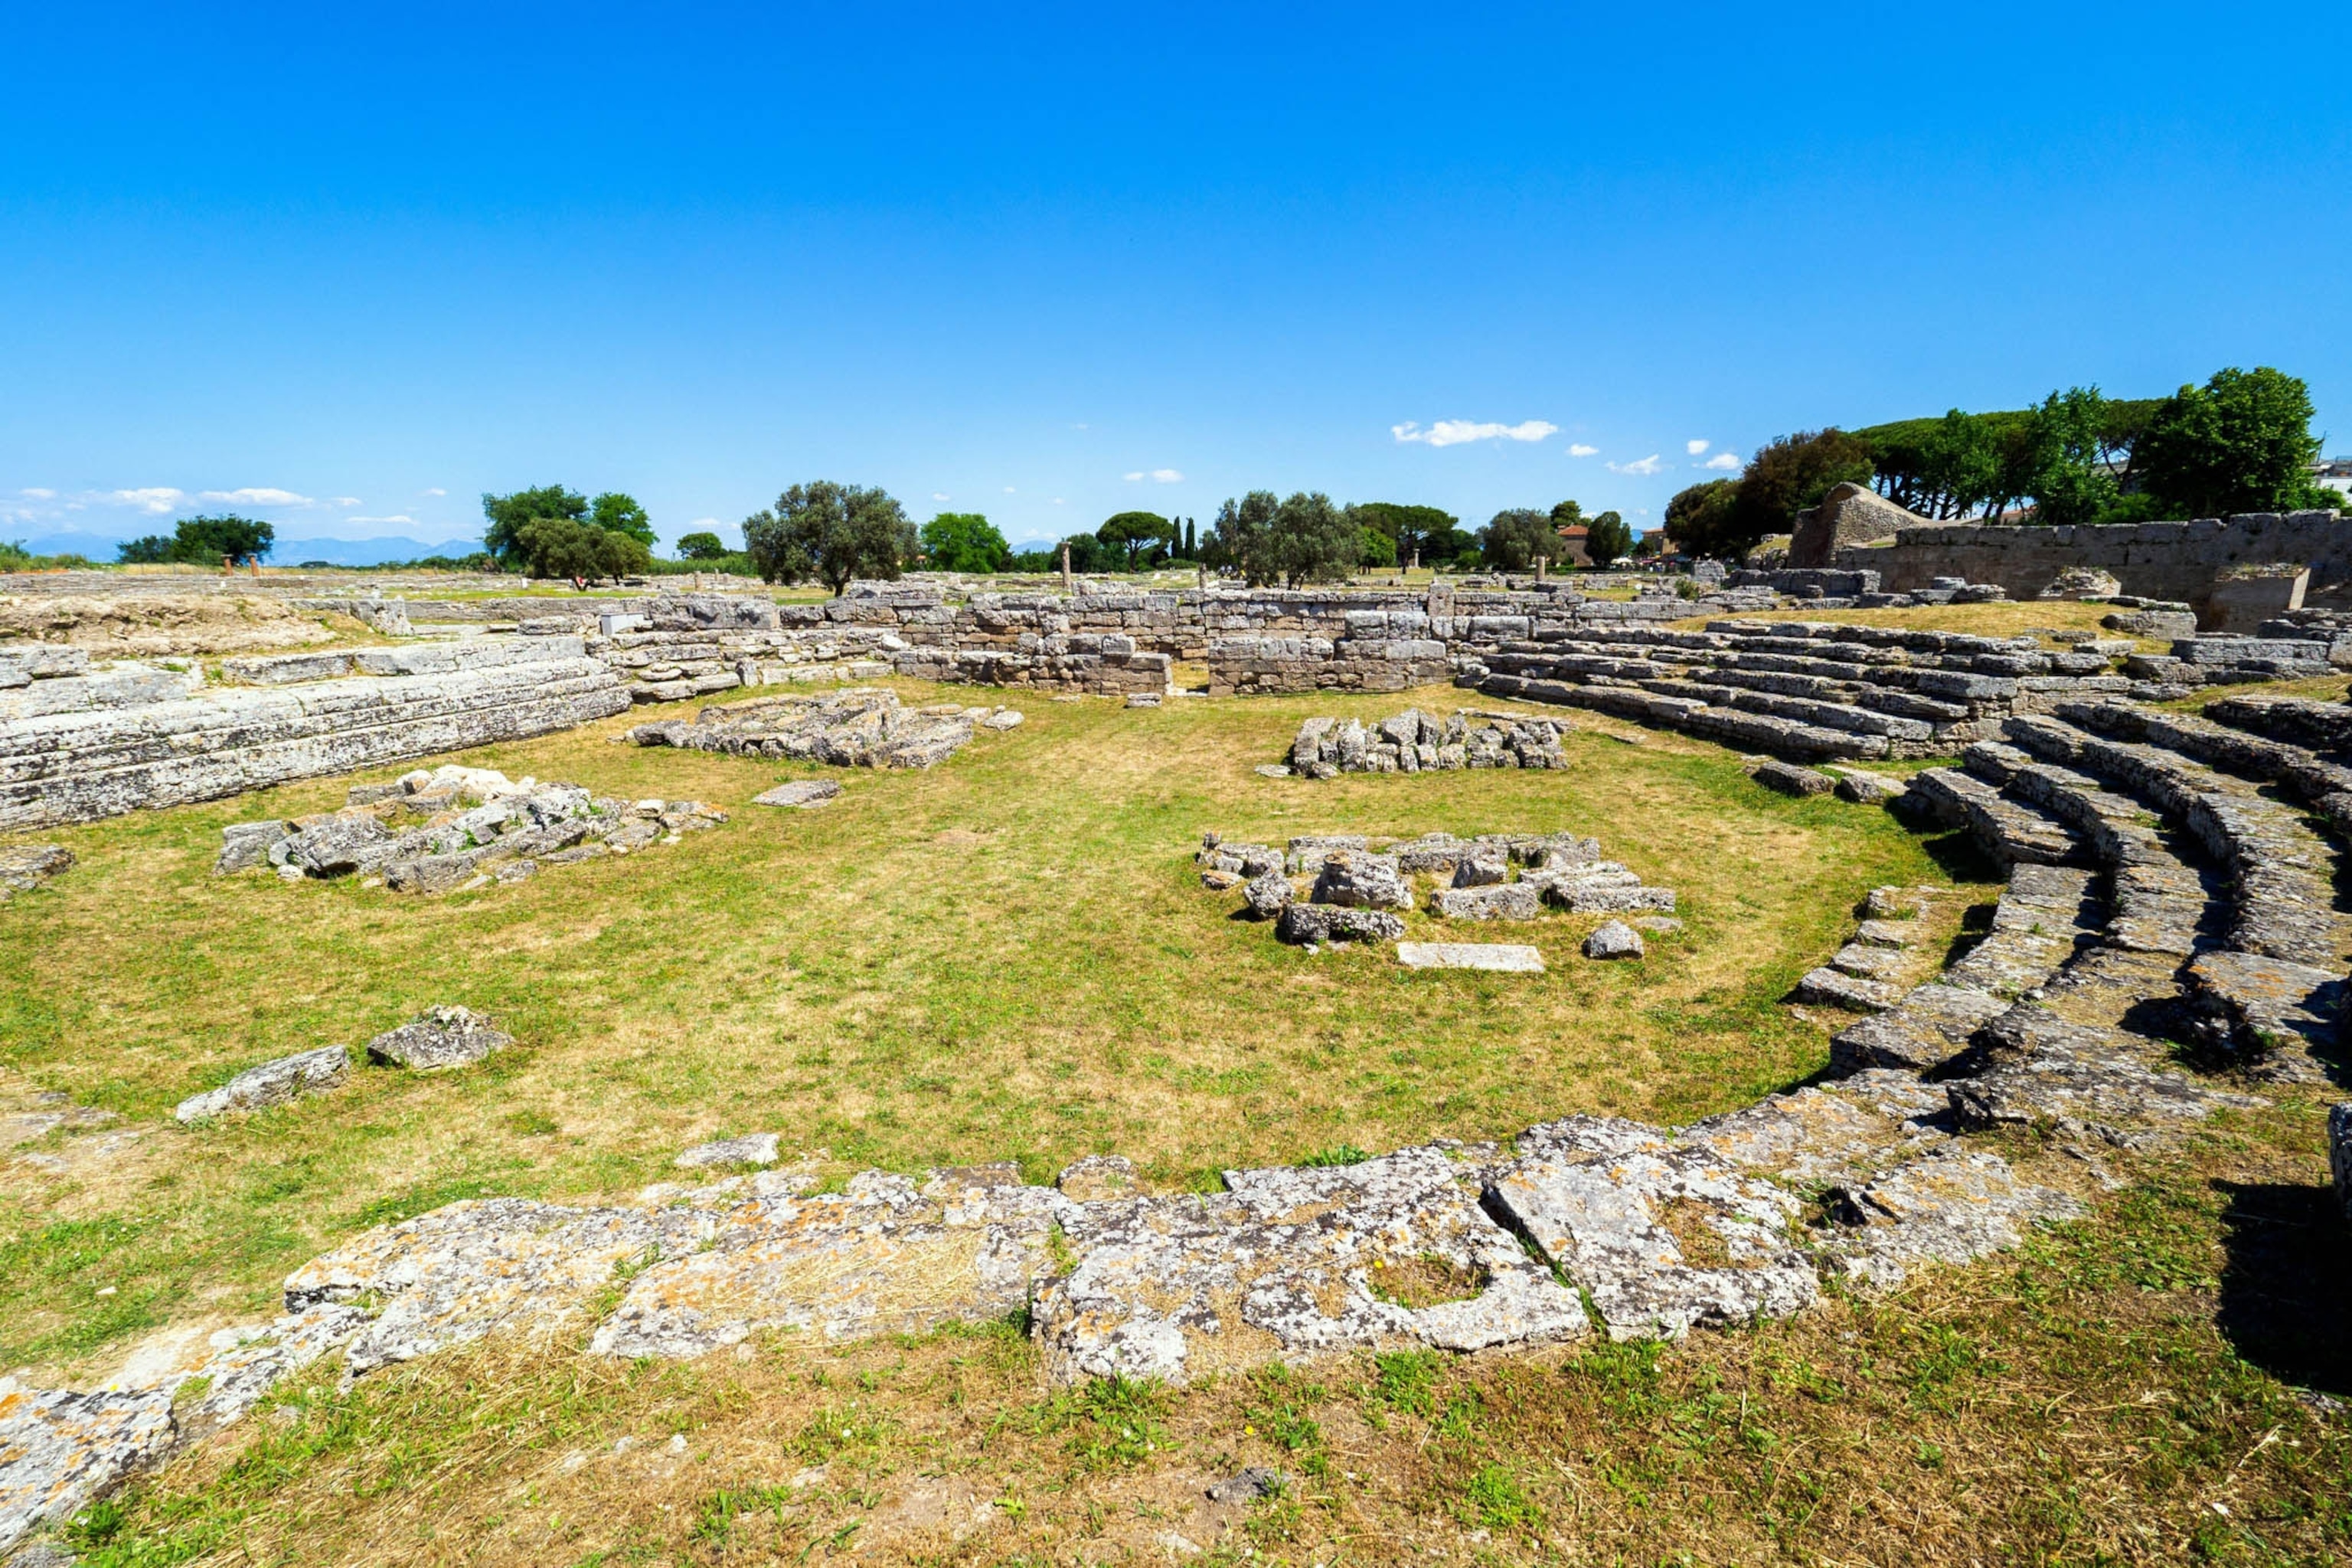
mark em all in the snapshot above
pixel 1067 587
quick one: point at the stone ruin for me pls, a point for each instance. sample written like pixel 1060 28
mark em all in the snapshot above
pixel 1414 741
pixel 862 728
pixel 24 867
pixel 453 829
pixel 1339 888
pixel 435 1040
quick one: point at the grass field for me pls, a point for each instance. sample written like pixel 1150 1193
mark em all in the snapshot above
pixel 1010 956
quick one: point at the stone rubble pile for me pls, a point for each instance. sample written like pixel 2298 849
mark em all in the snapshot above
pixel 1414 741
pixel 457 828
pixel 24 867
pixel 862 727
pixel 1347 886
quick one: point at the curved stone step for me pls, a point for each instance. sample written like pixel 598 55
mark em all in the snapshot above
pixel 2009 831
pixel 2324 785
pixel 2282 903
pixel 2298 720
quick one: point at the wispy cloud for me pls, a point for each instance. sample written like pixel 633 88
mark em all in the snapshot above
pixel 154 499
pixel 1578 449
pixel 1721 460
pixel 1008 490
pixel 36 493
pixel 1695 448
pixel 258 495
pixel 1156 476
pixel 940 495
pixel 1643 467
pixel 436 491
pixel 1455 432
pixel 346 501
pixel 397 517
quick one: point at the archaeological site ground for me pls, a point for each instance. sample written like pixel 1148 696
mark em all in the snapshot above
pixel 1815 1065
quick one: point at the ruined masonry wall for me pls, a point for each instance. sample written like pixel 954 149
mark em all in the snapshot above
pixel 2152 560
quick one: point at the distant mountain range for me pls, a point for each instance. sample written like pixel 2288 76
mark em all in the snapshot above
pixel 286 552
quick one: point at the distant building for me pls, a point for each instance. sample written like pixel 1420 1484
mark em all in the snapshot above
pixel 2335 473
pixel 1572 552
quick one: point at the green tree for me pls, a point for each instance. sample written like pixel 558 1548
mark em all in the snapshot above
pixel 1512 539
pixel 1378 550
pixel 1699 520
pixel 1141 536
pixel 507 513
pixel 2242 442
pixel 833 532
pixel 1789 476
pixel 151 550
pixel 701 547
pixel 1607 539
pixel 1313 541
pixel 1240 538
pixel 965 541
pixel 1192 542
pixel 566 547
pixel 206 540
pixel 1086 552
pixel 617 513
pixel 1414 529
pixel 2072 482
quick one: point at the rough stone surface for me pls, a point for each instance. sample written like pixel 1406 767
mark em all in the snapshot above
pixel 1790 779
pixel 1095 1178
pixel 1359 879
pixel 1507 901
pixel 1506 958
pixel 802 793
pixel 862 727
pixel 1303 924
pixel 1613 939
pixel 60 1451
pixel 751 1148
pixel 277 1082
pixel 24 867
pixel 439 1037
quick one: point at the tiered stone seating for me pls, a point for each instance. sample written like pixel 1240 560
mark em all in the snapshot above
pixel 2206 911
pixel 1802 689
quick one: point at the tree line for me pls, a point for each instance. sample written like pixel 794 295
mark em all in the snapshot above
pixel 2240 442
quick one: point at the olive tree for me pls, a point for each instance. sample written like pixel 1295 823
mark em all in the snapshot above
pixel 830 532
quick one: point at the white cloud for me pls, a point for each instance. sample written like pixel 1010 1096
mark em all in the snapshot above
pixel 1008 490
pixel 38 494
pixel 940 495
pixel 397 517
pixel 1059 501
pixel 436 491
pixel 154 501
pixel 1455 432
pixel 1695 448
pixel 1578 449
pixel 1721 460
pixel 346 501
pixel 1643 467
pixel 1156 476
pixel 262 495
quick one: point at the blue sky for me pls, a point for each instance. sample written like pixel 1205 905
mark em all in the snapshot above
pixel 348 267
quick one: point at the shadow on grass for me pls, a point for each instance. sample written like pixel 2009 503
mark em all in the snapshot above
pixel 2287 1288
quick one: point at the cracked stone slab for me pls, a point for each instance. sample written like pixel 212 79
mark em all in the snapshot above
pixel 1594 1203
pixel 1952 1206
pixel 802 794
pixel 883 1257
pixel 455 1275
pixel 1289 1263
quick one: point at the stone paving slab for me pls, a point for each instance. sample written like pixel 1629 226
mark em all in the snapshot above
pixel 1502 957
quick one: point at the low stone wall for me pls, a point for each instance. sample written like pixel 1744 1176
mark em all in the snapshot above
pixel 2152 560
pixel 80 766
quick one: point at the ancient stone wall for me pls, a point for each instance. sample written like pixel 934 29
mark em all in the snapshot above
pixel 2152 560
pixel 101 761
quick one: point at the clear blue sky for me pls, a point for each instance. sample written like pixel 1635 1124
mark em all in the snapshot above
pixel 385 258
